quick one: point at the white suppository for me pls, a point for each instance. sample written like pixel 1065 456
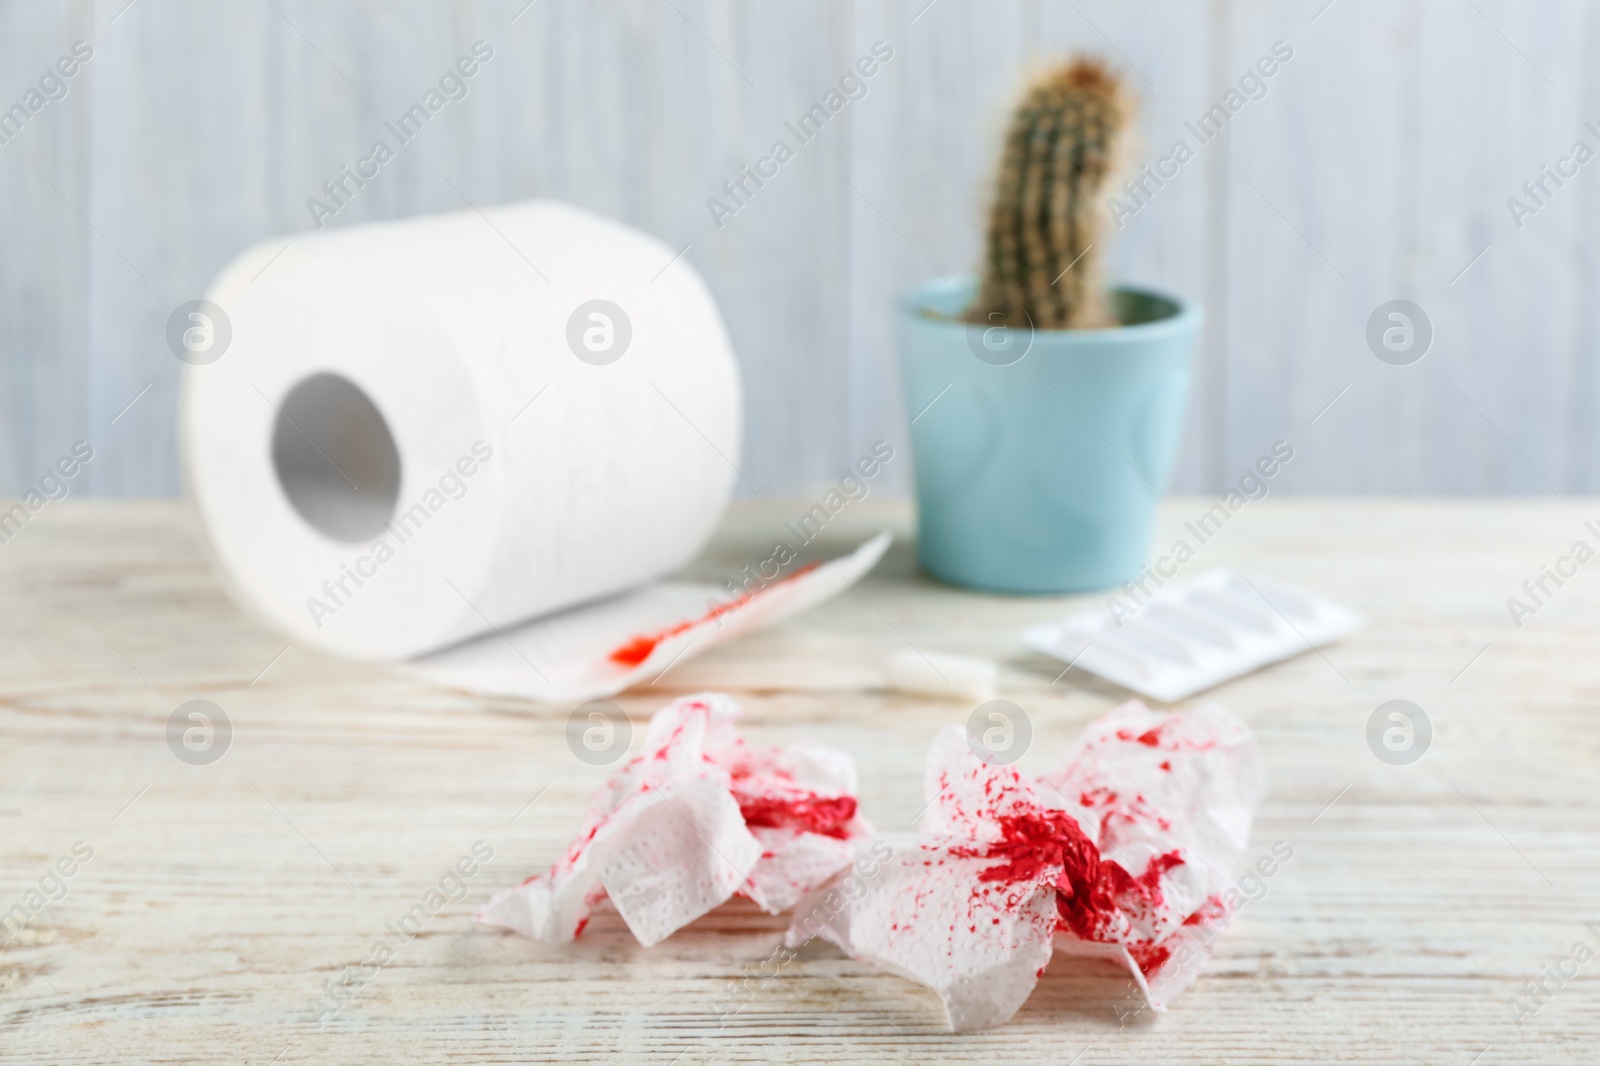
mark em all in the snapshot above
pixel 1192 635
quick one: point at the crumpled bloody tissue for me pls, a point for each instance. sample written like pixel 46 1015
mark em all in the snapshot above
pixel 699 817
pixel 1125 853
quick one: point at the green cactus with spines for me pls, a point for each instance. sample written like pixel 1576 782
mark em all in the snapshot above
pixel 1041 261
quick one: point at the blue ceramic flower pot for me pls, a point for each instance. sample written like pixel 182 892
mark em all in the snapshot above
pixel 1041 455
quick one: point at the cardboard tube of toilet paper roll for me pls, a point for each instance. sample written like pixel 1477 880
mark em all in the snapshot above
pixel 421 432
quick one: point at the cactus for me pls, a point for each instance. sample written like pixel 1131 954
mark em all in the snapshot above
pixel 1058 155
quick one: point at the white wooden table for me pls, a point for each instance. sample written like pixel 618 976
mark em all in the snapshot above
pixel 219 899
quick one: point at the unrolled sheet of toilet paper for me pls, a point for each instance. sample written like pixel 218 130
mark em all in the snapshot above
pixel 474 442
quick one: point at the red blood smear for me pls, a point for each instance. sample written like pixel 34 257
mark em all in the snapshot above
pixel 1149 882
pixel 1088 888
pixel 638 649
pixel 1034 843
pixel 825 815
pixel 1087 895
pixel 1149 956
pixel 1214 909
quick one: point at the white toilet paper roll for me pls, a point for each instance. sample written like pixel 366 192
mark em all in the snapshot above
pixel 419 432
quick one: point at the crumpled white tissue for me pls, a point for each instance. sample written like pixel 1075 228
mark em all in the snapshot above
pixel 1124 853
pixel 698 817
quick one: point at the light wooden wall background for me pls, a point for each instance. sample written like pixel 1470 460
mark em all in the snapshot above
pixel 1378 166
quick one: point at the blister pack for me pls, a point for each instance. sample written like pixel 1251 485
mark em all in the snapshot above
pixel 1191 635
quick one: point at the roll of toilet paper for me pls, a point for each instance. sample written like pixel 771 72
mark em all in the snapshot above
pixel 417 433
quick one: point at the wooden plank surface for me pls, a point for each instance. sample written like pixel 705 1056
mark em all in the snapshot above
pixel 220 899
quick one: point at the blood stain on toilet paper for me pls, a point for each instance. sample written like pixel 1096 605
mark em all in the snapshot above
pixel 1005 869
pixel 638 649
pixel 696 818
pixel 1038 842
pixel 827 816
